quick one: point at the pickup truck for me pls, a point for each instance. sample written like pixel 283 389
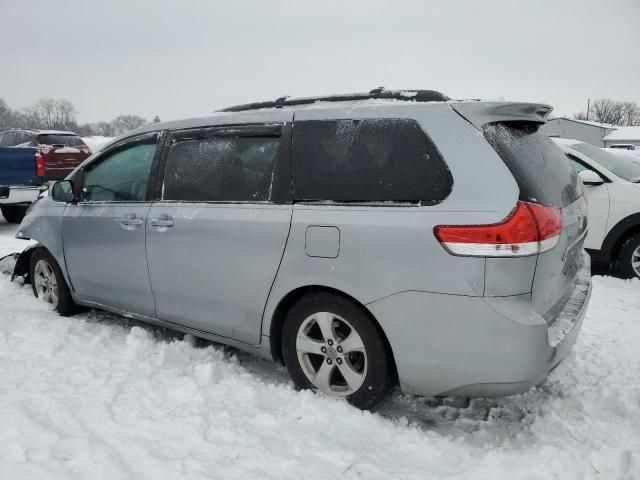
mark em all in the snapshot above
pixel 28 159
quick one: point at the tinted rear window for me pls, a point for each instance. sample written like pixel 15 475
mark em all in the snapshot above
pixel 542 171
pixel 66 140
pixel 371 160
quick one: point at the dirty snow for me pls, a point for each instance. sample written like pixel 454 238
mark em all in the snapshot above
pixel 97 396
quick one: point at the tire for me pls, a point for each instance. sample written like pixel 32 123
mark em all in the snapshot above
pixel 49 284
pixel 310 350
pixel 14 213
pixel 629 258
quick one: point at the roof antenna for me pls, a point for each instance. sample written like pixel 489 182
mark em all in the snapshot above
pixel 377 91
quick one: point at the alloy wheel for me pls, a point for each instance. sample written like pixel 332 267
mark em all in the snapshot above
pixel 45 282
pixel 635 261
pixel 331 354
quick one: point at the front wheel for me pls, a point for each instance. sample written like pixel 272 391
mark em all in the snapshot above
pixel 48 283
pixel 331 345
pixel 13 213
pixel 629 259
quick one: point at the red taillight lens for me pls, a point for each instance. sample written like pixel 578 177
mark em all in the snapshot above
pixel 528 230
pixel 39 165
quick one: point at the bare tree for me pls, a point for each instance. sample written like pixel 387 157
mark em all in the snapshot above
pixel 125 123
pixel 50 113
pixel 605 110
pixel 7 116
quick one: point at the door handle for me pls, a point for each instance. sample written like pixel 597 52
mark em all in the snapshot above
pixel 165 221
pixel 131 220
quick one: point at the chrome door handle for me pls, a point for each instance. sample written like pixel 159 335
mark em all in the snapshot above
pixel 161 222
pixel 131 220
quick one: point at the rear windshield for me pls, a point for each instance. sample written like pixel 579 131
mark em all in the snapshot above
pixel 542 171
pixel 66 140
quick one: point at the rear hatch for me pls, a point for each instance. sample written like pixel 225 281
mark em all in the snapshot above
pixel 61 154
pixel 545 177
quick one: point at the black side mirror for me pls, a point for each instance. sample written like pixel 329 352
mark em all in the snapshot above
pixel 62 191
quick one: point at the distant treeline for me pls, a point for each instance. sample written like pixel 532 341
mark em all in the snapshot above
pixel 605 110
pixel 60 114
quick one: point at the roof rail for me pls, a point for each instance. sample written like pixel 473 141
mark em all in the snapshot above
pixel 285 101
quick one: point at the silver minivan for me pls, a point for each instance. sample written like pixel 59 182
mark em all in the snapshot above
pixel 366 240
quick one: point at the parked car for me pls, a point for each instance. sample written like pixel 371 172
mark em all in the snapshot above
pixel 29 158
pixel 374 239
pixel 613 186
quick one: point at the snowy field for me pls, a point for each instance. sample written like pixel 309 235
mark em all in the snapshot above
pixel 97 396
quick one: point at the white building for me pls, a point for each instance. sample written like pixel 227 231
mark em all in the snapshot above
pixel 623 135
pixel 590 132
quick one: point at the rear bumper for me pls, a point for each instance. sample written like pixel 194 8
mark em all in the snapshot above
pixel 18 195
pixel 477 346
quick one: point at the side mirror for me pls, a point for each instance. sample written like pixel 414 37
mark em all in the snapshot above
pixel 589 177
pixel 62 191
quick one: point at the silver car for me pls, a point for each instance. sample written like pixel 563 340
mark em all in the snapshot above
pixel 366 241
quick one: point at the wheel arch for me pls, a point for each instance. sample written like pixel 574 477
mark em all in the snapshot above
pixel 625 228
pixel 288 300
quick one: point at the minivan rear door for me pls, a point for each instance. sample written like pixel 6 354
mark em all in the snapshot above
pixel 218 230
pixel 545 177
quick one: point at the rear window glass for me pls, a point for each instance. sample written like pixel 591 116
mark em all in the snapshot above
pixel 66 140
pixel 370 160
pixel 542 171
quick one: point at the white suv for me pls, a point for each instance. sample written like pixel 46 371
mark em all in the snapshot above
pixel 613 187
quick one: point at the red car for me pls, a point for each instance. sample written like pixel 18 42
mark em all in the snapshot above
pixel 61 151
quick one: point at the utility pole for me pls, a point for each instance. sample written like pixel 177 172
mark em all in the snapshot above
pixel 588 107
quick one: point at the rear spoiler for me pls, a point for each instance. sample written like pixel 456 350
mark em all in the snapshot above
pixel 481 113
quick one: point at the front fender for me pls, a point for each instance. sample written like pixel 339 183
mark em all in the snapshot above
pixel 21 268
pixel 44 225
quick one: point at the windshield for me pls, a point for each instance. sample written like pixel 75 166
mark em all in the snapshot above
pixel 66 140
pixel 627 169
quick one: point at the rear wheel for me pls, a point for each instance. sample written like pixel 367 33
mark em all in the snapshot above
pixel 629 259
pixel 49 284
pixel 330 344
pixel 14 213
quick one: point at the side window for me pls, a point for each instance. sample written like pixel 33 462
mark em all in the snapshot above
pixel 577 166
pixel 121 176
pixel 7 139
pixel 220 169
pixel 23 139
pixel 371 160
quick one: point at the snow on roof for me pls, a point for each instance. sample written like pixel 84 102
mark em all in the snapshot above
pixel 54 132
pixel 586 122
pixel 565 141
pixel 624 133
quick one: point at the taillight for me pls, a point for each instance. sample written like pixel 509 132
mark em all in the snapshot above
pixel 528 230
pixel 39 165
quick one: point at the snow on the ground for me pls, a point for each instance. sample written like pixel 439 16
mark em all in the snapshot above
pixel 97 396
pixel 94 142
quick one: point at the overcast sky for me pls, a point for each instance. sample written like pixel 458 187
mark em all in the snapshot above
pixel 177 59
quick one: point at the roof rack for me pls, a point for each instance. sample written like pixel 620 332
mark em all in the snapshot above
pixel 380 92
